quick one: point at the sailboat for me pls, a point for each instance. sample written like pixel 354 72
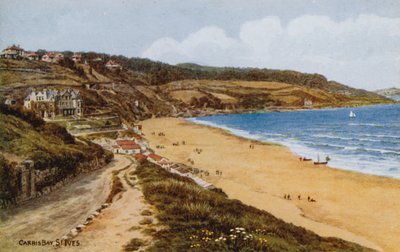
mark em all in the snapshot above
pixel 320 163
pixel 352 114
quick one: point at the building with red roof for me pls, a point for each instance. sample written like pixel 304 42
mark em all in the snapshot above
pixel 140 157
pixel 12 52
pixel 126 147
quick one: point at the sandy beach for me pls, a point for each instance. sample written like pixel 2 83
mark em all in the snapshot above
pixel 361 208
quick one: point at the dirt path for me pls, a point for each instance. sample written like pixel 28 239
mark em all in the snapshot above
pixel 117 224
pixel 52 216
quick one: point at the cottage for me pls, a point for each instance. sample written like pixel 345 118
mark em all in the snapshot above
pixel 165 164
pixel 12 52
pixel 308 103
pixel 154 158
pixel 77 58
pixel 69 102
pixel 140 157
pixel 137 129
pixel 126 147
pixel 53 57
pixel 32 56
pixel 10 101
pixel 111 64
pixel 48 103
pixel 48 57
pixel 58 57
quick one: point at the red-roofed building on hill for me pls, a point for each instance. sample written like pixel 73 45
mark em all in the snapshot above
pixel 126 147
pixel 77 58
pixel 140 157
pixel 32 56
pixel 159 160
pixel 12 52
pixel 111 64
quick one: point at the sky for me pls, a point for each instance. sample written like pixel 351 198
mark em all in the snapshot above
pixel 355 42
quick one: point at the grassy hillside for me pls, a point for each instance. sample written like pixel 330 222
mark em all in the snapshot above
pixel 195 219
pixel 188 89
pixel 23 136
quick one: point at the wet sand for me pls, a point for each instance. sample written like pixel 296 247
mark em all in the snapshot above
pixel 361 208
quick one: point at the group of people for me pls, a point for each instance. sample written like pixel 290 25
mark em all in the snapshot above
pixel 251 146
pixel 288 197
pixel 218 172
pixel 177 143
pixel 198 151
pixel 190 161
pixel 159 134
pixel 160 147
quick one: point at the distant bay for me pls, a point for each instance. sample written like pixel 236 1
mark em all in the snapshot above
pixel 369 143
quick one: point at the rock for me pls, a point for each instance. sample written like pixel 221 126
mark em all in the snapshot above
pixel 73 232
pixel 80 227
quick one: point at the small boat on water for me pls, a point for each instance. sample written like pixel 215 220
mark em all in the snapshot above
pixel 320 163
pixel 352 114
pixel 307 159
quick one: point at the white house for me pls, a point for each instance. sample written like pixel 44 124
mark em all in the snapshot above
pixel 308 103
pixel 111 64
pixel 77 58
pixel 159 160
pixel 126 147
pixel 12 52
pixel 32 56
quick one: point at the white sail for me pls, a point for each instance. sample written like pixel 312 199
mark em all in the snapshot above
pixel 352 114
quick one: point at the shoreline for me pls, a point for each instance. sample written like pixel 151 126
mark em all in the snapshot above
pixel 253 177
pixel 228 131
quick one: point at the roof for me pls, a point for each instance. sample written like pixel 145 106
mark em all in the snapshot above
pixel 112 63
pixel 130 146
pixel 13 47
pixel 127 145
pixel 123 142
pixel 164 162
pixel 140 156
pixel 155 157
pixel 32 54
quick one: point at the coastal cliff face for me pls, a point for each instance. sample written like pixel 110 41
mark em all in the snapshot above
pixel 142 88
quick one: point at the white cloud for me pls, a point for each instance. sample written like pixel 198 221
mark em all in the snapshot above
pixel 362 51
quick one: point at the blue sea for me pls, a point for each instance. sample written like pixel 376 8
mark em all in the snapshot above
pixel 369 143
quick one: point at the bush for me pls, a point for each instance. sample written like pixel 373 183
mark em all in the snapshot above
pixel 146 221
pixel 134 244
pixel 146 213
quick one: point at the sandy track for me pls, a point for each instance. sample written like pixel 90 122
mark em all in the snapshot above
pixel 112 229
pixel 53 215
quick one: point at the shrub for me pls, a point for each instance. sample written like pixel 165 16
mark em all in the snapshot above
pixel 134 244
pixel 146 221
pixel 146 213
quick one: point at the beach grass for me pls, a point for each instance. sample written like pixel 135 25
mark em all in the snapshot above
pixel 196 219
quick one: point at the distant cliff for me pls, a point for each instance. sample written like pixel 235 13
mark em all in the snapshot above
pixel 141 88
pixel 388 91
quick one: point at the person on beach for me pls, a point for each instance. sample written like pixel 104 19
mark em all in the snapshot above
pixel 284 196
pixel 288 197
pixel 308 198
pixel 299 197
